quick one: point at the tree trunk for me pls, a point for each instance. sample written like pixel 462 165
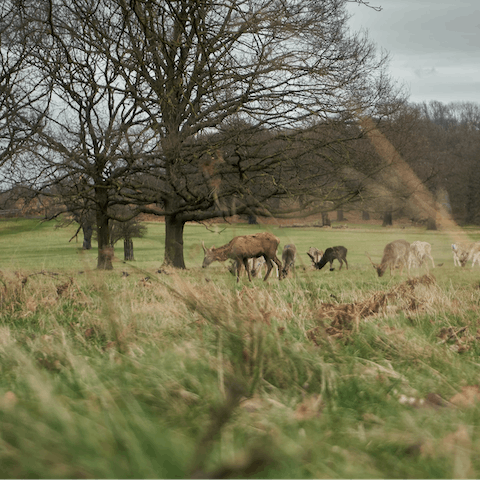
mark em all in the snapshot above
pixel 431 223
pixel 387 217
pixel 87 236
pixel 105 251
pixel 128 249
pixel 340 217
pixel 365 215
pixel 325 220
pixel 174 242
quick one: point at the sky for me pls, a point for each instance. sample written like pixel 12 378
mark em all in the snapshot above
pixel 434 46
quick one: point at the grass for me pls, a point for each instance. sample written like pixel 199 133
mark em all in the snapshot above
pixel 187 374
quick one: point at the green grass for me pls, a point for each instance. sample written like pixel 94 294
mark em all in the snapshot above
pixel 191 374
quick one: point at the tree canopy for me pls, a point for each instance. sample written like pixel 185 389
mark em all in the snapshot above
pixel 200 109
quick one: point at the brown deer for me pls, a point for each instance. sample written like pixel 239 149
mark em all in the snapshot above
pixel 395 254
pixel 289 256
pixel 243 247
pixel 332 253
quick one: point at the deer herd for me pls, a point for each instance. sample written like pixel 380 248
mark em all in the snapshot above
pixel 259 251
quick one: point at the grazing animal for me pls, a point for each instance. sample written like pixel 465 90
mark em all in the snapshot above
pixel 462 253
pixel 315 254
pixel 256 265
pixel 476 255
pixel 419 252
pixel 241 248
pixel 289 256
pixel 332 253
pixel 395 254
pixel 259 264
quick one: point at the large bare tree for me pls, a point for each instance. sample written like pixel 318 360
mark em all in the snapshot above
pixel 201 109
pixel 202 68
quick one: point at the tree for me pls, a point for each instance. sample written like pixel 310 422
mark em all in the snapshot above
pixel 195 110
pixel 127 231
pixel 453 132
pixel 88 153
pixel 217 79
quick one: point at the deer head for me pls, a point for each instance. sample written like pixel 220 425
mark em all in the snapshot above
pixel 209 256
pixel 376 266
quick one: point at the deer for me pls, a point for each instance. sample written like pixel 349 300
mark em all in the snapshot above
pixel 289 256
pixel 256 265
pixel 395 254
pixel 476 254
pixel 332 253
pixel 462 253
pixel 243 247
pixel 315 254
pixel 419 252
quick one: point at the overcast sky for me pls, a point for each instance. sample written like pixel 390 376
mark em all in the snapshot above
pixel 434 46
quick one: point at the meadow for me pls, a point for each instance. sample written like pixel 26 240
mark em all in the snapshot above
pixel 148 372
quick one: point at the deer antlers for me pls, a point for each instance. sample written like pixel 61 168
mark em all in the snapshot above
pixel 366 253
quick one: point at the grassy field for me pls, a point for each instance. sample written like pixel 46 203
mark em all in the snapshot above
pixel 138 374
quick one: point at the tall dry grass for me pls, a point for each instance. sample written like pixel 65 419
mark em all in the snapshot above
pixel 188 374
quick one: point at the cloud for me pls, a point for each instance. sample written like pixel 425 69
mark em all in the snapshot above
pixel 433 45
pixel 425 72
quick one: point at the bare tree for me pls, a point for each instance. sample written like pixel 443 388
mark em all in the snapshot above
pixel 197 110
pixel 454 134
pixel 214 77
pixel 93 133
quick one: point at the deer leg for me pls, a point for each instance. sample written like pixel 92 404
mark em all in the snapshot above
pixel 269 268
pixel 346 263
pixel 279 267
pixel 239 268
pixel 341 264
pixel 245 264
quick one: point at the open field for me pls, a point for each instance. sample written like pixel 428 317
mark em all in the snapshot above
pixel 187 374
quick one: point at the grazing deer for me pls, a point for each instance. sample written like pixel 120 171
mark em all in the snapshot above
pixel 476 255
pixel 315 254
pixel 256 265
pixel 332 253
pixel 462 253
pixel 289 256
pixel 241 248
pixel 419 252
pixel 395 254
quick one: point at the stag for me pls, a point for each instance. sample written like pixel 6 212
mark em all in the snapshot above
pixel 315 254
pixel 289 256
pixel 332 253
pixel 243 247
pixel 395 254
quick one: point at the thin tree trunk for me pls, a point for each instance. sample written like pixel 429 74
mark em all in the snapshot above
pixel 365 215
pixel 387 217
pixel 174 242
pixel 340 216
pixel 128 249
pixel 87 236
pixel 105 251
